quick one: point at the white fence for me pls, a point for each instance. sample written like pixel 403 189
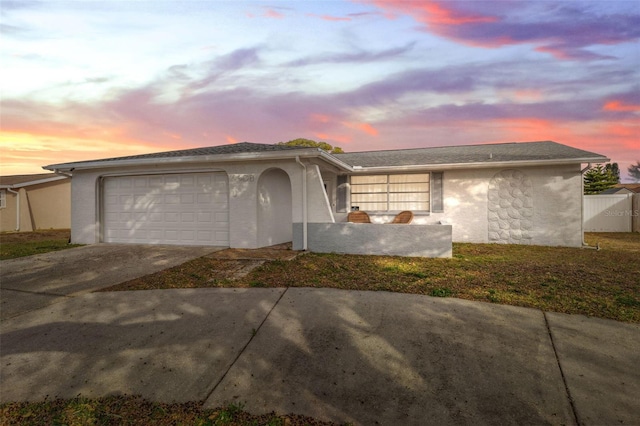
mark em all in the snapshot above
pixel 612 213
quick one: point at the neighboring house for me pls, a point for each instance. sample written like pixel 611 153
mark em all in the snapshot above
pixel 32 202
pixel 623 188
pixel 249 195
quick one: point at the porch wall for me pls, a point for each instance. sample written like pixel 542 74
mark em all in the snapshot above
pixel 375 239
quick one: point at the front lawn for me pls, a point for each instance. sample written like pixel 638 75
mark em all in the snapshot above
pixel 20 244
pixel 604 283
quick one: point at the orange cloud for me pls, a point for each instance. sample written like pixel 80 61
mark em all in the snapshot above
pixel 528 95
pixel 329 17
pixel 321 118
pixel 364 127
pixel 231 139
pixel 440 15
pixel 336 138
pixel 270 13
pixel 620 106
pixel 433 12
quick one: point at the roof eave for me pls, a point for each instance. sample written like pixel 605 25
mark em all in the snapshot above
pixel 483 164
pixel 214 158
pixel 34 182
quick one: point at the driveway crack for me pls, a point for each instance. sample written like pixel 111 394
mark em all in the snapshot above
pixel 44 293
pixel 254 334
pixel 564 378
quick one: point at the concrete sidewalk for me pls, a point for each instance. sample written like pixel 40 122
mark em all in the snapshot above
pixel 346 356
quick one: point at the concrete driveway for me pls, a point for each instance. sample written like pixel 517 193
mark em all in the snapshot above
pixel 33 282
pixel 345 356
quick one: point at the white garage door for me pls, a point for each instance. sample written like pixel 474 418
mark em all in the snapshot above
pixel 184 209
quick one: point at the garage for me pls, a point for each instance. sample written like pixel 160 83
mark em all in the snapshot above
pixel 181 209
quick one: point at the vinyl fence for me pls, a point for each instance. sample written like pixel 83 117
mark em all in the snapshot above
pixel 612 213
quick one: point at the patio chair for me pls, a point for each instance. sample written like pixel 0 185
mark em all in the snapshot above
pixel 358 217
pixel 403 217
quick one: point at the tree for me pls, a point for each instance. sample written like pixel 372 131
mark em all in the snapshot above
pixel 614 170
pixel 598 179
pixel 634 171
pixel 313 144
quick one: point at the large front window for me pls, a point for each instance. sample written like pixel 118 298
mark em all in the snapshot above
pixel 391 192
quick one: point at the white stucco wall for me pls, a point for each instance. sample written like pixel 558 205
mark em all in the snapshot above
pixel 244 207
pixel 556 198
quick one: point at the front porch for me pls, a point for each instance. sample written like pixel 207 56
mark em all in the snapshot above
pixel 375 239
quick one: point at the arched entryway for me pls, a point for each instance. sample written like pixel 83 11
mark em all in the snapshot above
pixel 274 208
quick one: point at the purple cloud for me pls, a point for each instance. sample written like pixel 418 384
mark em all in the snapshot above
pixel 566 33
pixel 360 56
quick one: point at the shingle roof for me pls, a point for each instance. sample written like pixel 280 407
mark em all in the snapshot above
pixel 468 154
pixel 489 153
pixel 633 187
pixel 12 180
pixel 236 148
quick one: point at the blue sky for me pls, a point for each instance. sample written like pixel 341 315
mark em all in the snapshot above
pixel 94 79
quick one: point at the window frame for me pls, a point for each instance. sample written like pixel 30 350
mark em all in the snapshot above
pixel 3 198
pixel 387 194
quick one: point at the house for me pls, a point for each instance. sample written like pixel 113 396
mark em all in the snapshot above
pixel 623 188
pixel 32 202
pixel 250 195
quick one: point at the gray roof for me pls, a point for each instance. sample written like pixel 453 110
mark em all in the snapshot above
pixel 236 148
pixel 450 155
pixel 488 153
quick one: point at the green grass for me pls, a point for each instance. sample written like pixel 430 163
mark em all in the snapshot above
pixel 604 283
pixel 21 244
pixel 133 411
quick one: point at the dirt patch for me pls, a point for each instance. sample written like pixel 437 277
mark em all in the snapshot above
pixel 35 236
pixel 220 269
pixel 277 252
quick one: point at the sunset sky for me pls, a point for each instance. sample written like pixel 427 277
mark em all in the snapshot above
pixel 84 80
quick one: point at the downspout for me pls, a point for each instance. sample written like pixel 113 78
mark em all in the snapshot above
pixel 584 243
pixel 305 217
pixel 17 207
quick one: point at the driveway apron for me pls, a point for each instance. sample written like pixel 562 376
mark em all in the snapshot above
pixel 344 356
pixel 33 282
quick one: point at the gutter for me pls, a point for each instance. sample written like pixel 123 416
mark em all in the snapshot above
pixel 584 243
pixel 305 218
pixel 17 193
pixel 453 166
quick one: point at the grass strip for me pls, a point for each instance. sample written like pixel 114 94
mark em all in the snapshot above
pixel 604 283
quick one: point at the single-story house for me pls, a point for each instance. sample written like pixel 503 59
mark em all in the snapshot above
pixel 37 201
pixel 250 195
pixel 623 188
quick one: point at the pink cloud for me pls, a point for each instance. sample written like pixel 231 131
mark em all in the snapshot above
pixel 333 137
pixel 270 13
pixel 621 106
pixel 567 36
pixel 363 127
pixel 329 17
